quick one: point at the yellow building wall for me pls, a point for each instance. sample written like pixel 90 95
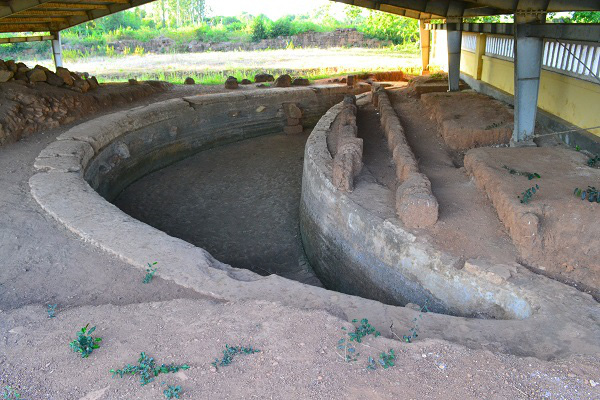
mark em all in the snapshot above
pixel 574 100
pixel 468 63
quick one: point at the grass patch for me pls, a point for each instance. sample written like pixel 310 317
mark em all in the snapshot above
pixel 213 78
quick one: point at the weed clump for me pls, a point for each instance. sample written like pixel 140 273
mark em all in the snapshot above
pixel 230 352
pixel 386 360
pixel 147 369
pixel 172 392
pixel 10 394
pixel 591 194
pixel 85 343
pixel 364 329
pixel 51 310
pixel 529 175
pixel 528 194
pixel 361 331
pixel 150 272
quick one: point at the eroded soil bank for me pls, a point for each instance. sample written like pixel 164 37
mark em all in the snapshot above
pixel 239 201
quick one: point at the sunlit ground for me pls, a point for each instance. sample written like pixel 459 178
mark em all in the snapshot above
pixel 213 67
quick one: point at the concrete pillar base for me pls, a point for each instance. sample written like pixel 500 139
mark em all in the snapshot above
pixel 524 143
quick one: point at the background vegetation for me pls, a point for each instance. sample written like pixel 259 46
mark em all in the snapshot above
pixel 186 20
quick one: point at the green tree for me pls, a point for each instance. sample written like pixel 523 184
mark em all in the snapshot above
pixel 281 27
pixel 259 28
pixel 587 17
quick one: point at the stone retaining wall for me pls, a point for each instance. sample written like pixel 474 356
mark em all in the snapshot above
pixel 130 144
pixel 25 110
pixel 555 311
pixel 416 205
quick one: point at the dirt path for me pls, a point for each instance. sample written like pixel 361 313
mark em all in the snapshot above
pixel 299 358
pixel 468 225
pixel 240 202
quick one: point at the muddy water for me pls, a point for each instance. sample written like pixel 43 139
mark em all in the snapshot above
pixel 240 202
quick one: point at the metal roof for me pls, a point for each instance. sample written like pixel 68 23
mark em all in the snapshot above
pixel 56 15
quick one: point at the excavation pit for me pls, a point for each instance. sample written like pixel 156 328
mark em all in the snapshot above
pixel 357 247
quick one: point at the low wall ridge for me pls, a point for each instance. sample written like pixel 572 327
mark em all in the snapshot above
pixel 416 205
pixel 346 149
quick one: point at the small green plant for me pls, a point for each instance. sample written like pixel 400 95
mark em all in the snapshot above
pixel 147 369
pixel 85 343
pixel 528 194
pixel 360 331
pixel 386 360
pixel 350 353
pixel 364 329
pixel 594 162
pixel 10 394
pixel 529 175
pixel 138 51
pixel 51 310
pixel 371 363
pixel 413 333
pixel 230 352
pixel 150 272
pixel 172 392
pixel 591 194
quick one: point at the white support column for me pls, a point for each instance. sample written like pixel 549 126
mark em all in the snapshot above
pixel 57 49
pixel 528 66
pixel 425 39
pixel 454 46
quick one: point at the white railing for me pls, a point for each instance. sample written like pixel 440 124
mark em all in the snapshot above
pixel 500 47
pixel 578 59
pixel 469 42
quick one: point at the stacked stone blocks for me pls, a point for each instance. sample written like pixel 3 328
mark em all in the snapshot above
pixel 416 205
pixel 347 148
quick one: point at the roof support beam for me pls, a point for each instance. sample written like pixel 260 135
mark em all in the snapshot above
pixel 23 39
